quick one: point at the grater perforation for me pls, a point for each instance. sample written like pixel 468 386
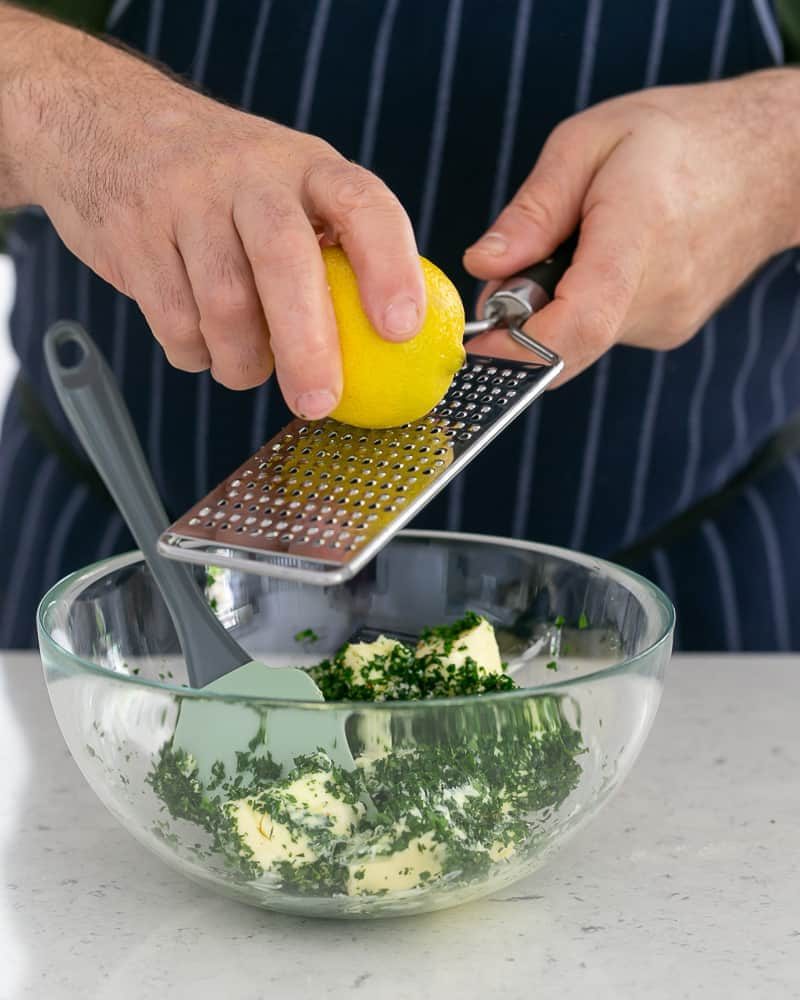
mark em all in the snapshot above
pixel 317 501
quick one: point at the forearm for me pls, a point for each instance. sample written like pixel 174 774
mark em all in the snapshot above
pixel 53 79
pixel 26 37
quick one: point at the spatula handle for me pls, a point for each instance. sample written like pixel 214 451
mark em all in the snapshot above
pixel 88 392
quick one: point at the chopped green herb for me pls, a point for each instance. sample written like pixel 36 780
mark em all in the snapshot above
pixel 552 665
pixel 453 631
pixel 307 635
pixel 460 800
pixel 560 621
pixel 405 674
pixel 583 621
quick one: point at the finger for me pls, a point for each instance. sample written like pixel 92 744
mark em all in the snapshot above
pixel 232 321
pixel 167 302
pixel 289 273
pixel 547 207
pixel 592 300
pixel 361 213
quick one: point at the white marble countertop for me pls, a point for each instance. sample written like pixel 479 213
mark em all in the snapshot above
pixel 688 885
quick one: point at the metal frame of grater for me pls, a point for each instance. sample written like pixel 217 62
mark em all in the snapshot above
pixel 319 500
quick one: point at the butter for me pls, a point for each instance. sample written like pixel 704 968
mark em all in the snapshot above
pixel 478 643
pixel 359 656
pixel 501 852
pixel 315 806
pixel 310 808
pixel 271 842
pixel 399 870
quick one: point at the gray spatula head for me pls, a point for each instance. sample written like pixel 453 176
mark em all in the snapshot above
pixel 210 730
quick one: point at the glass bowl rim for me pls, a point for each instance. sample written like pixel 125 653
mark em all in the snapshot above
pixel 61 590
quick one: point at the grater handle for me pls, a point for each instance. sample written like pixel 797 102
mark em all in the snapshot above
pixel 520 296
pixel 91 399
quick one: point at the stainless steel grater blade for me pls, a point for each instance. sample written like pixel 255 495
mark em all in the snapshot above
pixel 320 499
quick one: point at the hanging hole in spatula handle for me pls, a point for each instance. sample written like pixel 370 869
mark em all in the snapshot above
pixel 70 352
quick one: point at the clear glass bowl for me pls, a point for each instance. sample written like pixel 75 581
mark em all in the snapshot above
pixel 486 788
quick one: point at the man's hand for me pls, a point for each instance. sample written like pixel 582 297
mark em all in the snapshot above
pixel 208 217
pixel 680 193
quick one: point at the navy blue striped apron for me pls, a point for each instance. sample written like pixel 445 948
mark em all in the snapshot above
pixel 438 98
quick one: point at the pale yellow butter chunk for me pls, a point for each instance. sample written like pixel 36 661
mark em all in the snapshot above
pixel 360 657
pixel 478 643
pixel 315 806
pixel 310 808
pixel 270 842
pixel 397 871
pixel 501 852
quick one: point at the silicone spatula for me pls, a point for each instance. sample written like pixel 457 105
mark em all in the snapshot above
pixel 215 662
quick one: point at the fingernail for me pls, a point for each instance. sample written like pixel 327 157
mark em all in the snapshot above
pixel 401 318
pixel 315 404
pixel 495 244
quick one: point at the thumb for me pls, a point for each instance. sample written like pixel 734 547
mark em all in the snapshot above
pixel 547 207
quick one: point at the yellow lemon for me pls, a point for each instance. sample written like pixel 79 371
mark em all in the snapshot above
pixel 387 384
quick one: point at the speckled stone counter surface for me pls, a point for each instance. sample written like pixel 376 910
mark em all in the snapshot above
pixel 688 885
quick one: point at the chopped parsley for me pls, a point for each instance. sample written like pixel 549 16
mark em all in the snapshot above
pixel 396 672
pixel 456 801
pixel 447 634
pixel 307 635
pixel 401 675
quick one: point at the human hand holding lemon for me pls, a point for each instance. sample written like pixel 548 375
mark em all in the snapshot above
pixel 387 384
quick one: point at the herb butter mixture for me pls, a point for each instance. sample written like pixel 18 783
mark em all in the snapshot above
pixel 456 793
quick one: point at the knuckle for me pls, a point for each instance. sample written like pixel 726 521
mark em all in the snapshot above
pixel 178 336
pixel 224 302
pixel 535 207
pixel 303 344
pixel 666 204
pixel 565 134
pixel 166 297
pixel 272 212
pixel 173 321
pixel 245 371
pixel 290 255
pixel 350 188
pixel 619 283
pixel 278 212
pixel 284 239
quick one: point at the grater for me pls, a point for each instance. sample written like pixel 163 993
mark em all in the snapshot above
pixel 319 500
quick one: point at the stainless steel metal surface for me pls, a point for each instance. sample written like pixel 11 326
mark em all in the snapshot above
pixel 319 500
pixel 511 305
pixel 527 341
pixel 517 300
